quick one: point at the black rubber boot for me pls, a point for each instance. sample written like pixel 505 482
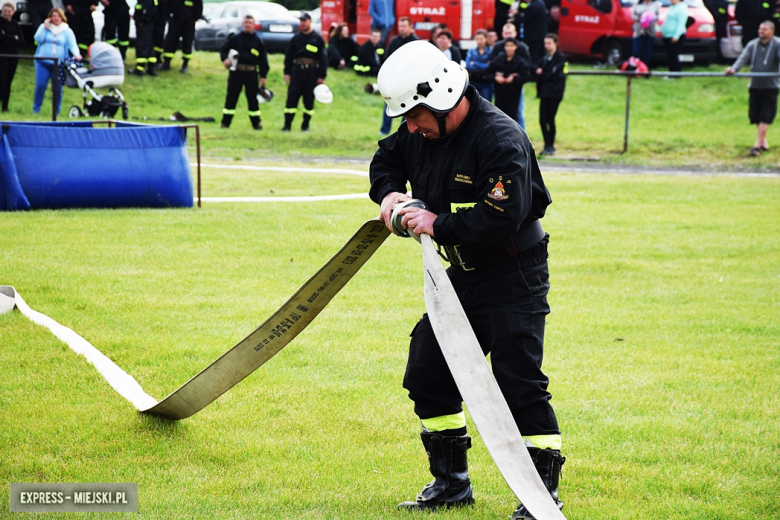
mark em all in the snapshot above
pixel 184 66
pixel 305 123
pixel 288 119
pixel 449 466
pixel 166 64
pixel 255 120
pixel 226 120
pixel 151 69
pixel 548 464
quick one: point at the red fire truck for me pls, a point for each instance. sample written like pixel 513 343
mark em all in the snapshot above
pixel 462 18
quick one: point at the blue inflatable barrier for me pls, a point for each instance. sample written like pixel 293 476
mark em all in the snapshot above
pixel 73 165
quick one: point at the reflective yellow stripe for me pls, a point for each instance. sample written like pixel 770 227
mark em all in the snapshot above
pixel 254 113
pixel 125 44
pixel 158 49
pixel 308 112
pixel 566 67
pixel 353 58
pixel 229 111
pixel 139 7
pixel 765 5
pixel 445 422
pixel 290 110
pixel 311 48
pixel 141 60
pixel 553 442
pixel 186 56
pixel 152 60
pixel 112 41
pixel 169 54
pixel 523 5
pixel 380 51
pixel 721 10
pixel 83 46
pixel 188 3
pixel 255 52
pixel 140 67
pixel 465 205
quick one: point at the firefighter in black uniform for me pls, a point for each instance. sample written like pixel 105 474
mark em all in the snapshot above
pixel 305 67
pixel 251 68
pixel 371 55
pixel 158 33
pixel 81 22
pixel 184 14
pixel 456 149
pixel 145 13
pixel 117 27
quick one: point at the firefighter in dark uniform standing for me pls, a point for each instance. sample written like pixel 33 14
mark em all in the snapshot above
pixel 117 27
pixel 184 14
pixel 81 22
pixel 158 32
pixel 145 13
pixel 305 67
pixel 477 172
pixel 251 68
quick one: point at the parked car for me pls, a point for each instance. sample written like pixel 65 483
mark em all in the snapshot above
pixel 274 24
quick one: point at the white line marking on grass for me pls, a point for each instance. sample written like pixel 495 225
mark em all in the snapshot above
pixel 121 381
pixel 282 169
pixel 285 199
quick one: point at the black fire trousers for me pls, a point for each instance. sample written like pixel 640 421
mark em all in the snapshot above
pixel 506 306
pixel 238 79
pixel 548 108
pixel 302 82
pixel 179 28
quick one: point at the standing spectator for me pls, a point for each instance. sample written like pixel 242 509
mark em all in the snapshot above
pixel 492 38
pixel 54 39
pixel 554 18
pixel 158 33
pixel 117 26
pixel 382 14
pixel 673 31
pixel 305 67
pixel 249 71
pixel 477 63
pixel 347 47
pixel 444 43
pixel 502 12
pixel 38 9
pixel 719 11
pixel 510 71
pixel 645 14
pixel 550 84
pixel 79 13
pixel 404 36
pixel 531 23
pixel 763 54
pixel 184 14
pixel 435 30
pixel 750 14
pixel 510 32
pixel 371 55
pixel 11 38
pixel 145 13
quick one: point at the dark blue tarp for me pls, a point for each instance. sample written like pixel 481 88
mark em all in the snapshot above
pixel 66 165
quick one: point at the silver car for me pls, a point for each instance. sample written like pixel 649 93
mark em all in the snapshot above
pixel 274 24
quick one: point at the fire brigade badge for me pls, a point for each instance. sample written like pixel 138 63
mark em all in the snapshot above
pixel 498 192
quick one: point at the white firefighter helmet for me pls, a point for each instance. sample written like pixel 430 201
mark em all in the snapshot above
pixel 419 74
pixel 233 57
pixel 323 94
pixel 264 95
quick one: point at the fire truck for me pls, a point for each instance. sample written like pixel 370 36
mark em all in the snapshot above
pixel 462 18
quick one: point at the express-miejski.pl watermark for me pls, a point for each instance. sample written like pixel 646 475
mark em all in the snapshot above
pixel 74 498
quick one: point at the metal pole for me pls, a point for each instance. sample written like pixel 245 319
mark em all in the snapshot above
pixel 628 113
pixel 55 87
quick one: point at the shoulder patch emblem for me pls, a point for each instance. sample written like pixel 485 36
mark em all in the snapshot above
pixel 498 192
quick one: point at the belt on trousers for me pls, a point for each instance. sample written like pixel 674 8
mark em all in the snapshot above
pixel 304 61
pixel 469 258
pixel 246 67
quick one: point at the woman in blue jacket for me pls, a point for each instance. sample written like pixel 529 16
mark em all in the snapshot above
pixel 477 63
pixel 54 39
pixel 673 31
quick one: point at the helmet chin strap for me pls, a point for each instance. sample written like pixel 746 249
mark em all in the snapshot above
pixel 442 120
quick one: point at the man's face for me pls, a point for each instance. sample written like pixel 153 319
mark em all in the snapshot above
pixel 492 38
pixel 442 42
pixel 404 28
pixel 248 25
pixel 420 120
pixel 305 26
pixel 765 32
pixel 374 37
pixel 509 32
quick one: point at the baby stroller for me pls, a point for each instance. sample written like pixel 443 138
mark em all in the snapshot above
pixel 106 70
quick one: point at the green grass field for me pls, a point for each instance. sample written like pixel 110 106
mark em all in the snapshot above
pixel 662 349
pixel 694 122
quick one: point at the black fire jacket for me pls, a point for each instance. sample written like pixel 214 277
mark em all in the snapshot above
pixel 488 160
